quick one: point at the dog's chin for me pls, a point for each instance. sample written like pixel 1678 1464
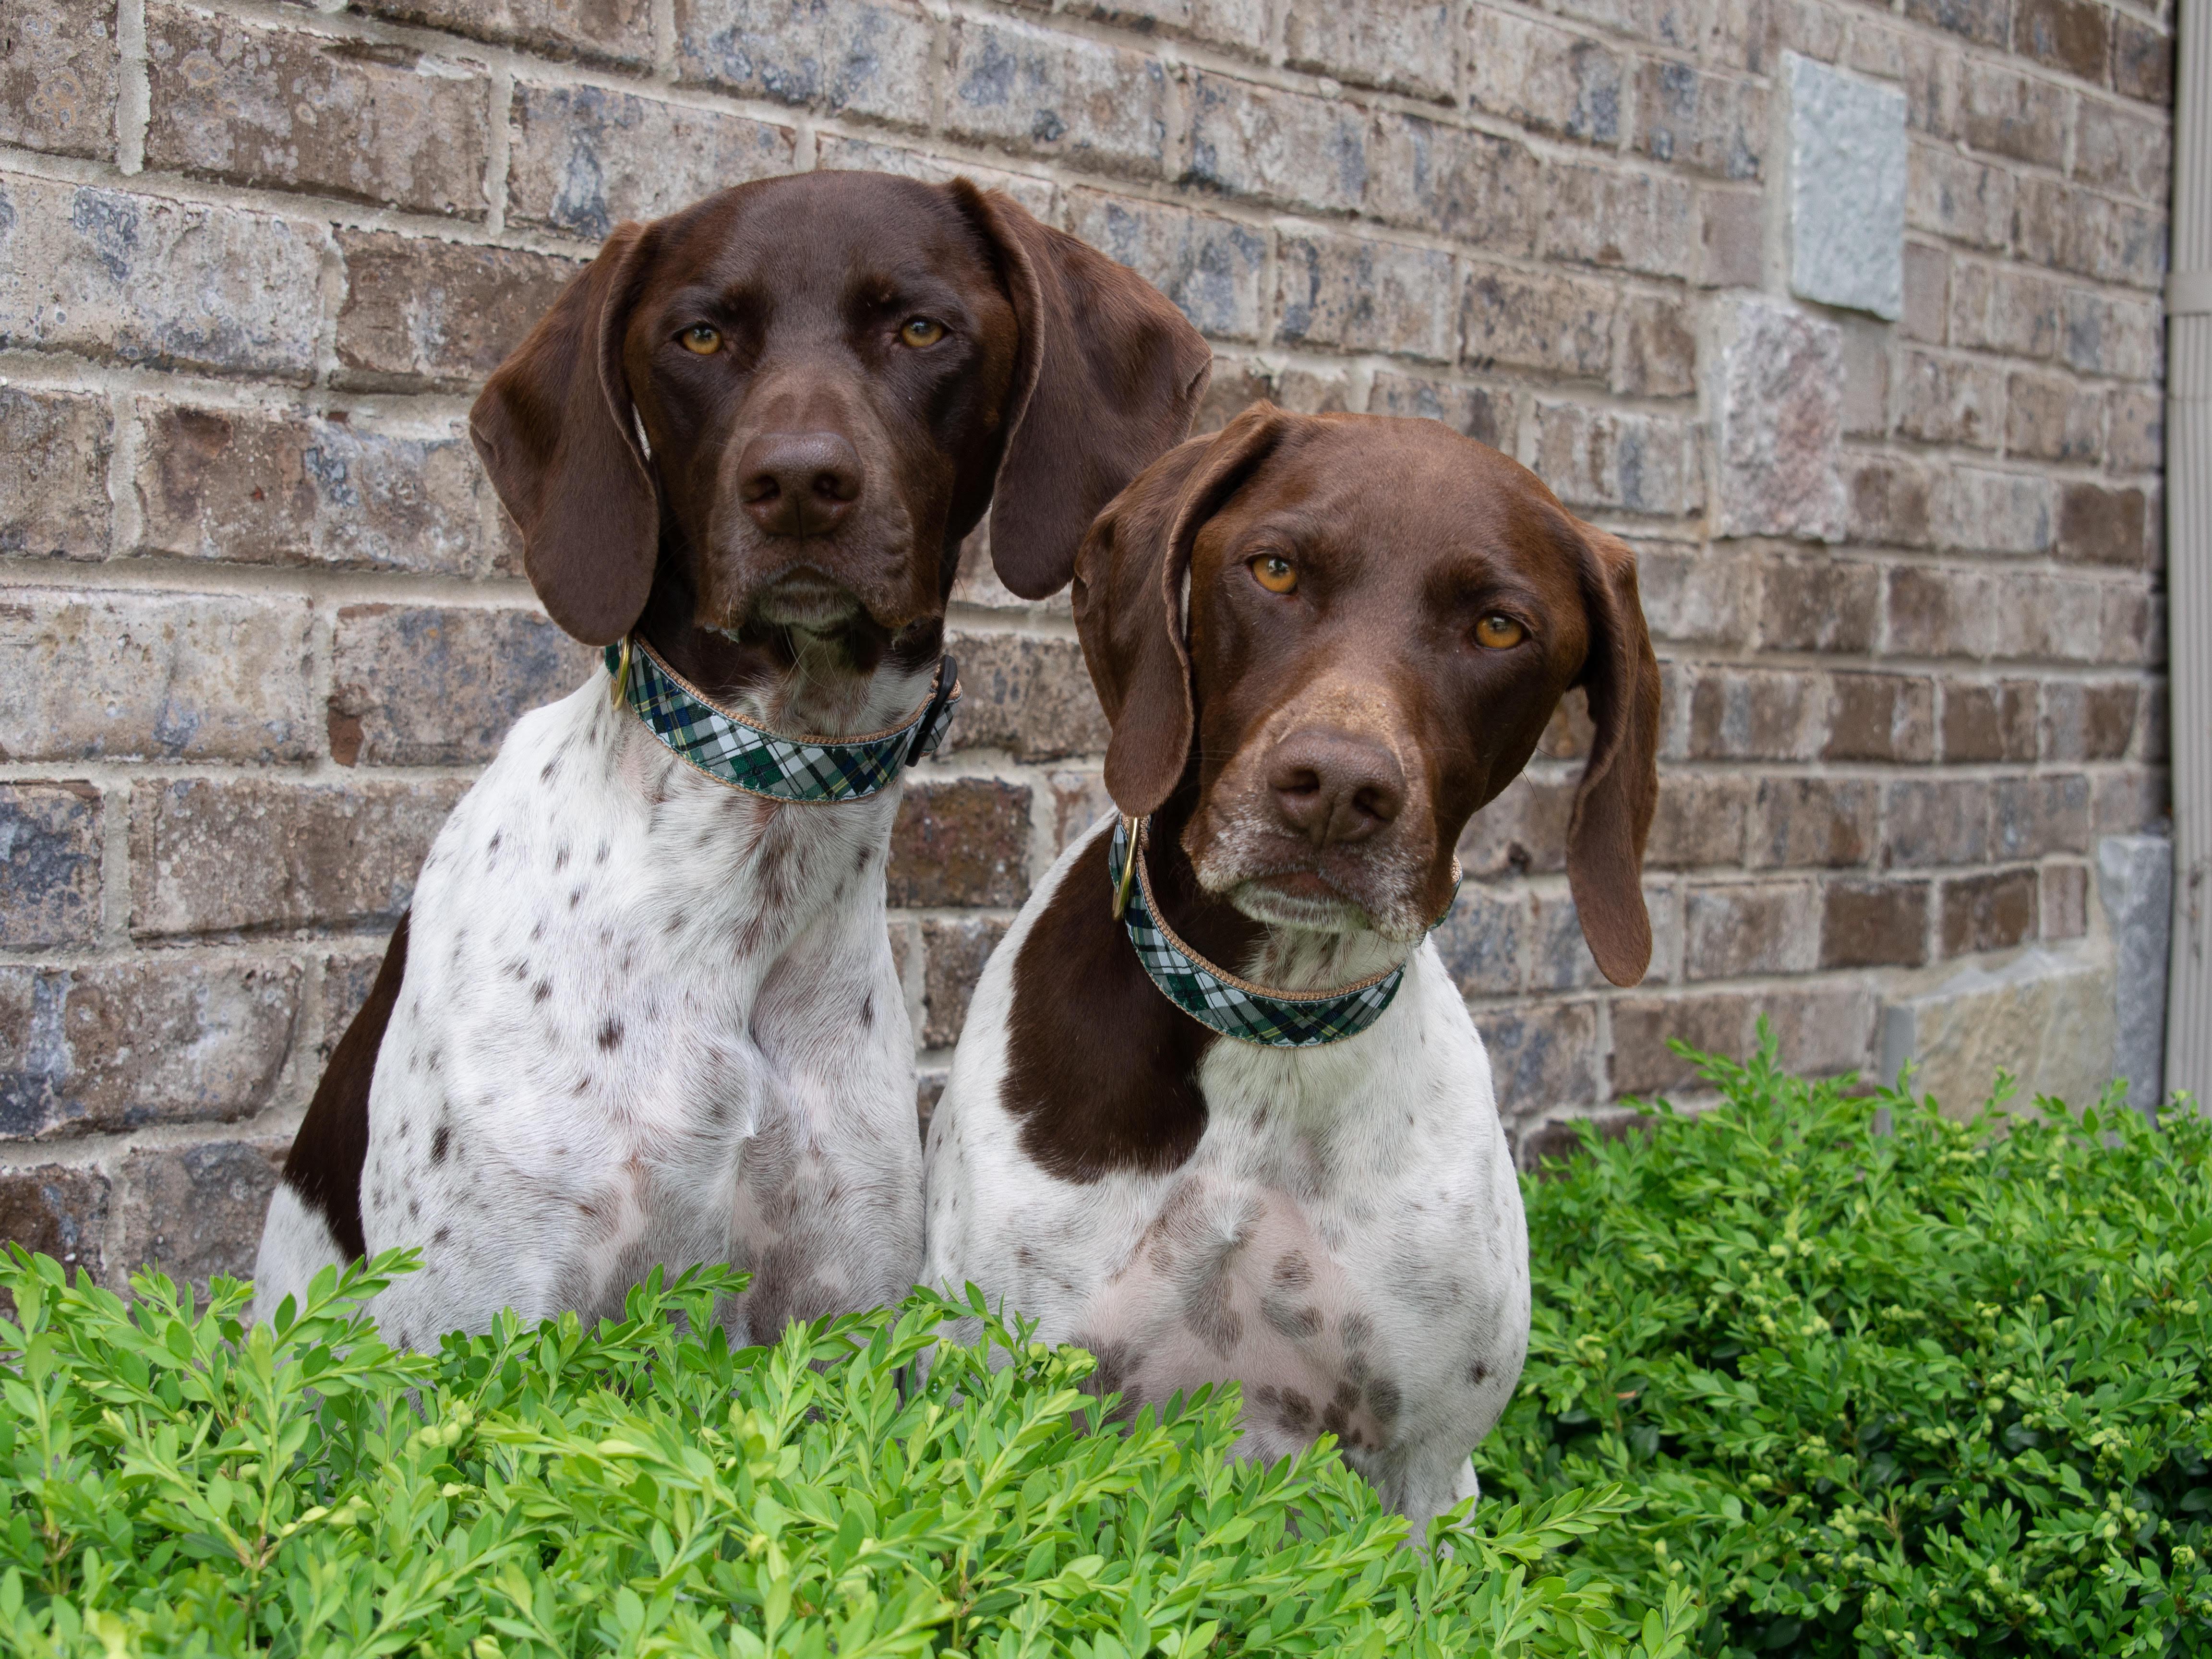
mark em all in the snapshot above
pixel 1277 903
pixel 805 599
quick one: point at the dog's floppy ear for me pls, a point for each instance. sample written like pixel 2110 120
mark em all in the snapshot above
pixel 1620 782
pixel 554 426
pixel 1128 602
pixel 1107 376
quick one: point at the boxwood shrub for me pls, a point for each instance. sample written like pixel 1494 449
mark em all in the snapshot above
pixel 1794 1387
pixel 1941 1390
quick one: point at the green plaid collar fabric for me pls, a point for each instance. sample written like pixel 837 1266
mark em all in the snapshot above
pixel 733 751
pixel 1219 999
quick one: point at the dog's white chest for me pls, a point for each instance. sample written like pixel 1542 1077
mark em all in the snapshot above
pixel 641 1027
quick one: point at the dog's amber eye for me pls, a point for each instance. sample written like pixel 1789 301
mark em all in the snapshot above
pixel 1499 632
pixel 918 331
pixel 1275 573
pixel 702 339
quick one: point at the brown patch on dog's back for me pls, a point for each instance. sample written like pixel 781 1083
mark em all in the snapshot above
pixel 324 1165
pixel 1102 1069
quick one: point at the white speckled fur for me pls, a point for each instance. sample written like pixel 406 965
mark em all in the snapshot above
pixel 646 1018
pixel 1378 1160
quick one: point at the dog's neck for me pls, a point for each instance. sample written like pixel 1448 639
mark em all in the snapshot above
pixel 840 682
pixel 1271 954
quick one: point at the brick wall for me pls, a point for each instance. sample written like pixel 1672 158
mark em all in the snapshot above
pixel 261 619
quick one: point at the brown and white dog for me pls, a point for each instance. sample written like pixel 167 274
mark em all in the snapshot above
pixel 1324 642
pixel 637 1016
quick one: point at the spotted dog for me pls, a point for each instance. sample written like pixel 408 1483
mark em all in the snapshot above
pixel 643 1010
pixel 1219 1112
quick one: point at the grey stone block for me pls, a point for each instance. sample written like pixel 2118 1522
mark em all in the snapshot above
pixel 1847 172
pixel 2135 879
pixel 1778 387
pixel 2045 1017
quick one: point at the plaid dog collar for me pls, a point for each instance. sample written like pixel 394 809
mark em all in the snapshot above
pixel 1214 998
pixel 732 750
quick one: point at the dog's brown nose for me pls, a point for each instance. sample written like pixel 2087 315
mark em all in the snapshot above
pixel 1333 787
pixel 798 484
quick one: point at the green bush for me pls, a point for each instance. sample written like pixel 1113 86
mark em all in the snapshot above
pixel 1794 1388
pixel 1940 1391
pixel 175 1485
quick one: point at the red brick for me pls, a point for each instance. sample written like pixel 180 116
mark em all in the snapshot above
pixel 1027 693
pixel 177 1038
pixel 123 277
pixel 2065 902
pixel 1949 400
pixel 2101 526
pixel 1542 78
pixel 1485 192
pixel 954 955
pixel 57 77
pixel 1606 457
pixel 50 856
pixel 2136 435
pixel 2047 812
pixel 1542 1055
pixel 2121 150
pixel 424 314
pixel 284 108
pixel 1699 823
pixel 1357 295
pixel 1988 912
pixel 2016 115
pixel 1484 940
pixel 1955 197
pixel 1881 717
pixel 1716 1022
pixel 1079 800
pixel 1874 924
pixel 1402 49
pixel 606 31
pixel 246 486
pixel 2051 418
pixel 1658 348
pixel 1548 1149
pixel 1559 954
pixel 1274 146
pixel 2089 722
pixel 1211 267
pixel 1756 714
pixel 962 841
pixel 54 491
pixel 2073 35
pixel 1695 594
pixel 1731 228
pixel 123 675
pixel 585 158
pixel 859 59
pixel 1710 123
pixel 1927 293
pixel 224 855
pixel 1599 215
pixel 1805 821
pixel 1983 22
pixel 1524 830
pixel 425 685
pixel 1748 927
pixel 1889 501
pixel 2142 61
pixel 1988 722
pixel 1818 602
pixel 1559 325
pixel 52 1209
pixel 1486 415
pixel 191 1212
pixel 2004 308
pixel 1941 820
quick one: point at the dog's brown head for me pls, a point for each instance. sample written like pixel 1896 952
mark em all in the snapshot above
pixel 785 406
pixel 1332 638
